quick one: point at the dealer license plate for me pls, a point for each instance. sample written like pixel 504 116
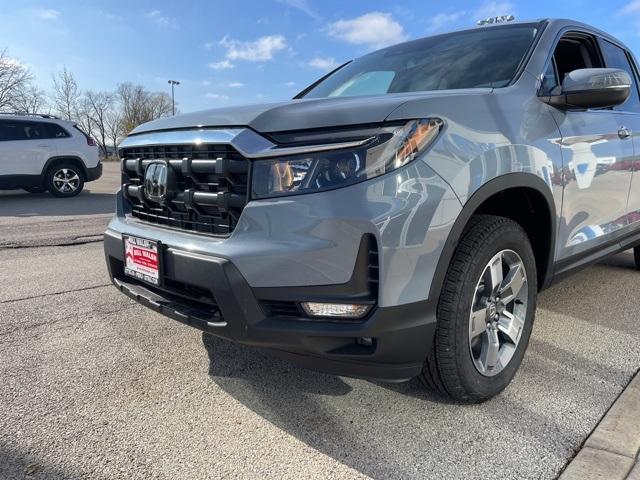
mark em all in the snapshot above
pixel 142 259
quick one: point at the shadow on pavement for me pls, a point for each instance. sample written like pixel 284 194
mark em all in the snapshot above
pixel 18 465
pixel 604 295
pixel 402 430
pixel 46 205
pixel 381 430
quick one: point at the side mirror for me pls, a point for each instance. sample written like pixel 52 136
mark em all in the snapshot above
pixel 592 88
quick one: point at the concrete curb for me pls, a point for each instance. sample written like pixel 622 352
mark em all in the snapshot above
pixel 611 451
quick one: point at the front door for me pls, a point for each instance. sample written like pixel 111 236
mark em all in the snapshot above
pixel 24 147
pixel 597 156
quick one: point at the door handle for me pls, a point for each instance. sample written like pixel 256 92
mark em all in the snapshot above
pixel 624 132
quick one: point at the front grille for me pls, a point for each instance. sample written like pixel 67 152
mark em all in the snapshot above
pixel 210 188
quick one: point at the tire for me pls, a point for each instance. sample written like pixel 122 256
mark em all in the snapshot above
pixel 35 189
pixel 636 254
pixel 64 179
pixel 462 363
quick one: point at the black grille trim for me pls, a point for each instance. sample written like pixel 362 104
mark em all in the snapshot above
pixel 210 192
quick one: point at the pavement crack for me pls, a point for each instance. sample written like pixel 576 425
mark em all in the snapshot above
pixel 65 243
pixel 55 293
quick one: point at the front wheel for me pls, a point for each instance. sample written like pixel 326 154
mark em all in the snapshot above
pixel 64 180
pixel 485 311
pixel 636 254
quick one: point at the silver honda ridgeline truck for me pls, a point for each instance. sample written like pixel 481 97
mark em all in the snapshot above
pixel 400 215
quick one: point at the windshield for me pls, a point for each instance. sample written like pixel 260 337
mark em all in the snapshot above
pixel 484 57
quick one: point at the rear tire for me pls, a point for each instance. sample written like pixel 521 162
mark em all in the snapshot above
pixel 64 179
pixel 636 254
pixel 485 312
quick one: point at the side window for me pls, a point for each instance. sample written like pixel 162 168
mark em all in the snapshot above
pixel 4 131
pixel 616 57
pixel 34 130
pixel 53 130
pixel 550 79
pixel 13 131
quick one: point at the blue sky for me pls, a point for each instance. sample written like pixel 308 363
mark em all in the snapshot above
pixel 248 51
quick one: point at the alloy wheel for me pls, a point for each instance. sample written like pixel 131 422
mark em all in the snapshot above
pixel 498 312
pixel 66 180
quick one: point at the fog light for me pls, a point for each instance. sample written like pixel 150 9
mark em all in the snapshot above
pixel 335 310
pixel 365 341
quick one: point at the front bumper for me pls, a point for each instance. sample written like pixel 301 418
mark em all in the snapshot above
pixel 208 292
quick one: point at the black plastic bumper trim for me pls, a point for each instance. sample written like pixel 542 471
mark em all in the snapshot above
pixel 94 173
pixel 402 334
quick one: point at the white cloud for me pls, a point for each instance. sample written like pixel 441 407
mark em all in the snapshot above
pixel 494 9
pixel 106 16
pixel 631 7
pixel 209 45
pixel 163 20
pixel 234 84
pixel 374 29
pixel 441 20
pixel 323 63
pixel 216 96
pixel 221 65
pixel 48 14
pixel 302 5
pixel 259 50
pixel 290 84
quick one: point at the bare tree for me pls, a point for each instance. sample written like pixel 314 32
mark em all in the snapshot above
pixel 99 104
pixel 132 100
pixel 66 94
pixel 14 79
pixel 30 99
pixel 140 106
pixel 113 121
pixel 160 105
pixel 82 115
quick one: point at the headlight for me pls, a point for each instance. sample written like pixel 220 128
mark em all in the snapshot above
pixel 390 148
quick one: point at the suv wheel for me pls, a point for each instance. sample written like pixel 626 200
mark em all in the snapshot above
pixel 636 254
pixel 64 180
pixel 485 311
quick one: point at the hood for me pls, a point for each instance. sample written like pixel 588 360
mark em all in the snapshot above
pixel 299 114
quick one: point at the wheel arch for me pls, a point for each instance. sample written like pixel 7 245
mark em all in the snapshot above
pixel 479 201
pixel 64 158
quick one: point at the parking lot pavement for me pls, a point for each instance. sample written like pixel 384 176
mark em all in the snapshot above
pixel 40 219
pixel 95 386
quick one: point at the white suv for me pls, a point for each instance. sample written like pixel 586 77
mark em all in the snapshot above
pixel 42 152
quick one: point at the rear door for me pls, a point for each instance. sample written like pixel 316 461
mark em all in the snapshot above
pixel 617 57
pixel 25 147
pixel 596 159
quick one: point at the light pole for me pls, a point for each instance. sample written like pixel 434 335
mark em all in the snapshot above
pixel 173 83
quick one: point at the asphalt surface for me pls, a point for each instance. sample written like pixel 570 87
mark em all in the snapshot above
pixel 94 386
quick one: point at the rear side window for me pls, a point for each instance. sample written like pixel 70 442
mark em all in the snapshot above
pixel 54 131
pixel 616 57
pixel 21 131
